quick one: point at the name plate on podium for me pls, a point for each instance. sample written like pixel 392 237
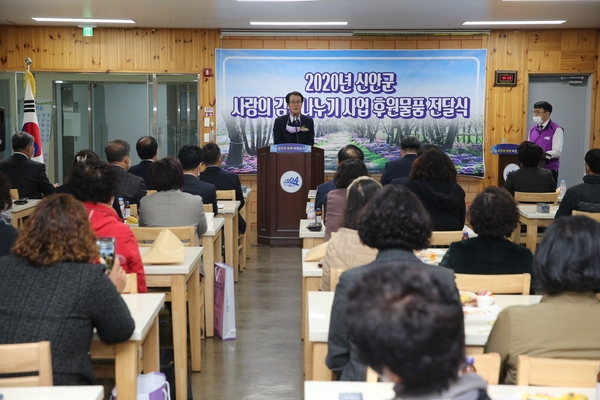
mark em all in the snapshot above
pixel 290 148
pixel 509 149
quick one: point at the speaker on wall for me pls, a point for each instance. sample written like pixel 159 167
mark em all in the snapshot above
pixel 2 130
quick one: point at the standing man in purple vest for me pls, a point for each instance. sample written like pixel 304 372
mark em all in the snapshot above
pixel 548 135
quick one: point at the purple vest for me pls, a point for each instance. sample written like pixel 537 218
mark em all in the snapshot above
pixel 543 138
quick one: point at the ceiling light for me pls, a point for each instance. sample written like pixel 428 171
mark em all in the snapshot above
pixel 86 20
pixel 514 22
pixel 277 0
pixel 295 23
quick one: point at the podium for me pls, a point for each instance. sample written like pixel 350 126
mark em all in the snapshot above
pixel 508 160
pixel 286 172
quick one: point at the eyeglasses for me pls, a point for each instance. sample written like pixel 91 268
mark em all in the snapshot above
pixel 538 112
pixel 295 102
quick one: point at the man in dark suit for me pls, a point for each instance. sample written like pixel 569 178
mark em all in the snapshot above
pixel 131 187
pixel 347 152
pixel 222 180
pixel 530 177
pixel 190 158
pixel 409 146
pixel 294 127
pixel 147 150
pixel 28 176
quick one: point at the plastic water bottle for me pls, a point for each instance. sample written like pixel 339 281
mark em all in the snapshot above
pixel 468 366
pixel 318 216
pixel 562 187
pixel 465 235
pixel 310 212
pixel 127 210
pixel 122 206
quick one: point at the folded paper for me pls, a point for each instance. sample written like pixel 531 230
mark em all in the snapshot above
pixel 316 253
pixel 166 249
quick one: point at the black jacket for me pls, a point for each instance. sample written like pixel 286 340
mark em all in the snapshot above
pixel 28 176
pixel 207 191
pixel 444 200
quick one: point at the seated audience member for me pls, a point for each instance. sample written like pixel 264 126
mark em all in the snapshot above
pixel 80 156
pixel 433 179
pixel 8 233
pixel 51 291
pixel 395 223
pixel 408 325
pixel 131 187
pixel 170 206
pixel 335 201
pixel 530 177
pixel 404 180
pixel 95 184
pixel 147 150
pixel 27 176
pixel 223 180
pixel 409 146
pixel 567 321
pixel 586 195
pixel 345 250
pixel 190 158
pixel 347 152
pixel 493 216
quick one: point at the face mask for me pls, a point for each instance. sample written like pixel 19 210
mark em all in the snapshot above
pixel 537 119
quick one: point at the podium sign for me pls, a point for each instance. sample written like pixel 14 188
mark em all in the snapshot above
pixel 286 172
pixel 508 160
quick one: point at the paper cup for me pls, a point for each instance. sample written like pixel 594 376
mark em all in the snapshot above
pixel 485 301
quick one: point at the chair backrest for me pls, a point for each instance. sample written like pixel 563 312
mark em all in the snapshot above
pixel 131 287
pixel 14 193
pixel 444 238
pixel 534 371
pixel 526 197
pixel 226 194
pixel 334 278
pixel 488 367
pixel 133 209
pixel 208 208
pixel 149 192
pixel 146 235
pixel 372 375
pixel 499 284
pixel 593 215
pixel 26 357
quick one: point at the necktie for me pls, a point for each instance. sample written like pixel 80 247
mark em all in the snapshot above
pixel 295 121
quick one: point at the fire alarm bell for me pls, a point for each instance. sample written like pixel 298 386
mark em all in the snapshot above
pixel 207 72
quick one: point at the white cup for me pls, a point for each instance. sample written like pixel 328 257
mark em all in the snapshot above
pixel 485 301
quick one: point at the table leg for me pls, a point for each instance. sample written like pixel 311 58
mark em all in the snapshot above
pixel 150 347
pixel 196 315
pixel 236 253
pixel 532 229
pixel 179 316
pixel 126 370
pixel 208 257
pixel 320 372
pixel 309 284
pixel 230 244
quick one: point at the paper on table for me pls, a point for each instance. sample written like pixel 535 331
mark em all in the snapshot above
pixel 166 249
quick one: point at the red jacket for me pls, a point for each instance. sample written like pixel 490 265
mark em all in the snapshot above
pixel 105 222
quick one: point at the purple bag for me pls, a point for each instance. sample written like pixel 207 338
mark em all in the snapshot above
pixel 152 386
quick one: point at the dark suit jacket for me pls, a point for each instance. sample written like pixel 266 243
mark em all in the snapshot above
pixel 322 191
pixel 281 135
pixel 28 176
pixel 342 357
pixel 224 180
pixel 397 168
pixel 143 171
pixel 530 179
pixel 131 188
pixel 207 191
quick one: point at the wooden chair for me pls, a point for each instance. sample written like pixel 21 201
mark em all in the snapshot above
pixel 498 284
pixel 230 196
pixel 444 238
pixel 593 215
pixel 334 278
pixel 149 192
pixel 131 287
pixel 372 375
pixel 26 357
pixel 526 197
pixel 14 193
pixel 488 367
pixel 208 208
pixel 145 235
pixel 534 371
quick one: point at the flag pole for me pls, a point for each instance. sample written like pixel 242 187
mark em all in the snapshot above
pixel 28 62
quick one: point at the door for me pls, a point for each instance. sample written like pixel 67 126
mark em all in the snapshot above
pixel 570 96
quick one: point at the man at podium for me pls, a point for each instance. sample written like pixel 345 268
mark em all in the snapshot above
pixel 294 127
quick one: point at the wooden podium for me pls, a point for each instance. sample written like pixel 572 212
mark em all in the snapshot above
pixel 507 157
pixel 286 172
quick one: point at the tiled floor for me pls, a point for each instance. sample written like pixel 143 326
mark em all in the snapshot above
pixel 265 362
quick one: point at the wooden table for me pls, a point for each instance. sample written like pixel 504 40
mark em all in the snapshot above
pixel 319 315
pixel 533 219
pixel 229 209
pixel 311 282
pixel 175 277
pixel 144 309
pixel 211 242
pixel 310 239
pixel 385 390
pixel 53 393
pixel 20 212
pixel 245 213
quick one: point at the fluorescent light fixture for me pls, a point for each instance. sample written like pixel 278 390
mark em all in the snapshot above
pixel 295 23
pixel 284 32
pixel 85 20
pixel 278 0
pixel 514 22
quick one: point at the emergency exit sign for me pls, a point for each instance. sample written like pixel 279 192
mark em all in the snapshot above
pixel 88 31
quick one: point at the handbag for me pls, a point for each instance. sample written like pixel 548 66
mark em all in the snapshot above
pixel 152 386
pixel 224 302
